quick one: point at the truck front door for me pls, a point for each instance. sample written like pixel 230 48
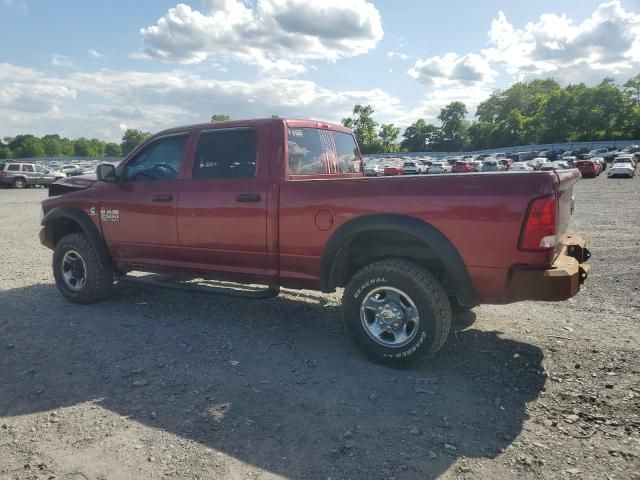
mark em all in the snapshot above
pixel 222 210
pixel 138 213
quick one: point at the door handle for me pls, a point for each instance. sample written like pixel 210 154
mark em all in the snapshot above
pixel 165 197
pixel 248 197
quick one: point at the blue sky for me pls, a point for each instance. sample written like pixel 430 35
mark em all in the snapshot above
pixel 96 68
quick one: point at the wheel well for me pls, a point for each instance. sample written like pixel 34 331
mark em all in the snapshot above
pixel 371 246
pixel 61 227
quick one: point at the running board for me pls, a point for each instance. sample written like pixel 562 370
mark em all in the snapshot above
pixel 201 286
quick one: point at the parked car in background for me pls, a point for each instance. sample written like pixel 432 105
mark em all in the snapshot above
pixel 598 152
pixel 625 158
pixel 373 170
pixel 521 167
pixel 409 168
pixel 588 168
pixel 537 162
pixel 71 170
pixel 462 166
pixel 391 170
pixel 622 169
pixel 553 166
pixel 601 162
pixel 492 165
pixel 569 159
pixel 22 175
pixel 422 166
pixel 440 167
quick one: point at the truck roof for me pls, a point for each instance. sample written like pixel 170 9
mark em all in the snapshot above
pixel 293 122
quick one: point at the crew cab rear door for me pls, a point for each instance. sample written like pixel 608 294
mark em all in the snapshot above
pixel 138 213
pixel 222 210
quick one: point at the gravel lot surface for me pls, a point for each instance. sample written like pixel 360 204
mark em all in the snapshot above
pixel 156 383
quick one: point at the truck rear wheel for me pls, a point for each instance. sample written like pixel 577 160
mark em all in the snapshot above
pixel 396 312
pixel 80 275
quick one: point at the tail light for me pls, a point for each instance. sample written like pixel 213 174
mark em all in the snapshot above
pixel 3 174
pixel 539 231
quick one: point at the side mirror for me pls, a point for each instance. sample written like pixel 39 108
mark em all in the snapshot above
pixel 106 173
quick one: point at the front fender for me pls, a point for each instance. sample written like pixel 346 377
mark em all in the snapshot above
pixel 79 217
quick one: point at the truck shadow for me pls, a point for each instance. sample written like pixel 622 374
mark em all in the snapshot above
pixel 274 383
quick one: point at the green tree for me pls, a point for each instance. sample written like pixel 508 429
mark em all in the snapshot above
pixel 67 147
pixel 26 146
pixel 83 148
pixel 5 152
pixel 419 136
pixel 632 87
pixel 112 150
pixel 97 147
pixel 364 128
pixel 131 139
pixel 454 128
pixel 389 134
pixel 51 145
pixel 220 117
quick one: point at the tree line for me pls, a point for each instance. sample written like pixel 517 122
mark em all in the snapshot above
pixel 535 112
pixel 53 145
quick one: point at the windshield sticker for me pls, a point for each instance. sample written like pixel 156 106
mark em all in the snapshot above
pixel 296 132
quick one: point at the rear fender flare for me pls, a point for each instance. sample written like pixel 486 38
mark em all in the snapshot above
pixel 81 218
pixel 424 232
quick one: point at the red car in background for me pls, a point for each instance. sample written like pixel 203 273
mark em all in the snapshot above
pixel 462 167
pixel 393 170
pixel 589 168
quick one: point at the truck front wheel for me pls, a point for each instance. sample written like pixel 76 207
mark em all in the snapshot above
pixel 396 312
pixel 80 275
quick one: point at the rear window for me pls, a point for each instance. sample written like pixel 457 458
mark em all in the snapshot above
pixel 226 153
pixel 14 167
pixel 347 152
pixel 309 150
pixel 2 166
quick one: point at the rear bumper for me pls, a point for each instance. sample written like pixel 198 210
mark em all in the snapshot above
pixel 561 281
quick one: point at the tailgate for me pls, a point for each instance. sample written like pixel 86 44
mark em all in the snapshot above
pixel 564 192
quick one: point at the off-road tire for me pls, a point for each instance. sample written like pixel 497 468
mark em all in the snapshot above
pixel 424 290
pixel 20 183
pixel 99 277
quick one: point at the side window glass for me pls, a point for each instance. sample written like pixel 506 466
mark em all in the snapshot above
pixel 158 162
pixel 15 167
pixel 226 153
pixel 27 168
pixel 310 150
pixel 347 152
pixel 40 169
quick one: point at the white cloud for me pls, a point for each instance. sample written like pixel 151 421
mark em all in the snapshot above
pixel 61 61
pixel 453 69
pixel 99 103
pixel 273 33
pixel 400 55
pixel 95 53
pixel 605 44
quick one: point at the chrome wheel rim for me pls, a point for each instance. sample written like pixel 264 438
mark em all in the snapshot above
pixel 389 317
pixel 74 270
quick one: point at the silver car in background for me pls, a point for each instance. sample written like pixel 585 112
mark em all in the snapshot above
pixel 440 167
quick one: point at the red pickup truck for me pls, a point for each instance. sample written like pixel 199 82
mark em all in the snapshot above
pixel 285 203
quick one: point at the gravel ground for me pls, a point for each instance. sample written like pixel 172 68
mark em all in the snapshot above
pixel 165 384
